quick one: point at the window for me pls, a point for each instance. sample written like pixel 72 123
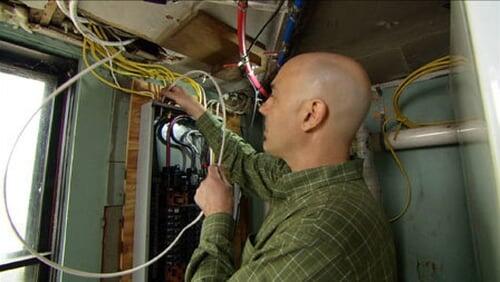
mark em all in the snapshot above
pixel 31 184
pixel 24 182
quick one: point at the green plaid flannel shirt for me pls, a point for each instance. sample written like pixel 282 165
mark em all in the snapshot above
pixel 324 225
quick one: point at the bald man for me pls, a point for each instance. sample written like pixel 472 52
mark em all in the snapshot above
pixel 324 225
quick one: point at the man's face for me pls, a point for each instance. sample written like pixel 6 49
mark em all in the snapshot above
pixel 281 124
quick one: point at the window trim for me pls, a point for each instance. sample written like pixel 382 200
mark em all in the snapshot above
pixel 22 261
pixel 54 70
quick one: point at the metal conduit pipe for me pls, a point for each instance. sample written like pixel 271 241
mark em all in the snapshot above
pixel 428 136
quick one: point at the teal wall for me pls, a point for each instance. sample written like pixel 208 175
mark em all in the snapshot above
pixel 93 164
pixel 87 178
pixel 38 42
pixel 433 238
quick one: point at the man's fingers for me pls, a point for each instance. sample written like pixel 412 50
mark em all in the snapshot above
pixel 175 89
pixel 223 175
pixel 171 92
pixel 213 195
pixel 213 171
pixel 217 172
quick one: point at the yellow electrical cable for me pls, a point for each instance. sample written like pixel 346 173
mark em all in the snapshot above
pixel 434 66
pixel 403 172
pixel 126 71
pixel 124 66
pixel 411 78
pixel 103 80
pixel 121 58
pixel 139 72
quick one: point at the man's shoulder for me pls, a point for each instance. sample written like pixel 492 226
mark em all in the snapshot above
pixel 347 206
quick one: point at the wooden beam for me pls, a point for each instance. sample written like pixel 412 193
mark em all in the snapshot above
pixel 48 12
pixel 207 39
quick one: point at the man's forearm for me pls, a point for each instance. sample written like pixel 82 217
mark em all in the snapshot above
pixel 255 172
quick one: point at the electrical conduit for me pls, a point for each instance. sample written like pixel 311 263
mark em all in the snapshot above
pixel 241 21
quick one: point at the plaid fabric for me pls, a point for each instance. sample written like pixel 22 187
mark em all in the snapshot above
pixel 324 225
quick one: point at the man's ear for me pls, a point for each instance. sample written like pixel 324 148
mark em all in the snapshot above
pixel 314 112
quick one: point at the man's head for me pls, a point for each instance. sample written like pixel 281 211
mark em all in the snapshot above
pixel 318 99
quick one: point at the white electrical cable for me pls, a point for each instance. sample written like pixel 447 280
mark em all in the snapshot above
pixel 73 15
pixel 204 97
pixel 111 68
pixel 255 104
pixel 65 11
pixel 74 271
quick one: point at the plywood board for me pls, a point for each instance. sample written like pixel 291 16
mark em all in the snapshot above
pixel 204 38
pixel 127 234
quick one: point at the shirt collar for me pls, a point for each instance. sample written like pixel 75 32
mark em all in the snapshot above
pixel 310 179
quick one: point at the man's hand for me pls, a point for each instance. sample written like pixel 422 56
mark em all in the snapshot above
pixel 214 195
pixel 186 101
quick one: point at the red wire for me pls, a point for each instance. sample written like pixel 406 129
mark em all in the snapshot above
pixel 167 139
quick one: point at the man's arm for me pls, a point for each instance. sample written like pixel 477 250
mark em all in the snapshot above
pixel 255 172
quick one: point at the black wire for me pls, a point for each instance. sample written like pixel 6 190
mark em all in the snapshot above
pixel 178 144
pixel 188 148
pixel 265 25
pixel 158 127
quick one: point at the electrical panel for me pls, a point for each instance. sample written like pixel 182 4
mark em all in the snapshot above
pixel 173 158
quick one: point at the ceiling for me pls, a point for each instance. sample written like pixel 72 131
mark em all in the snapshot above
pixel 203 31
pixel 390 38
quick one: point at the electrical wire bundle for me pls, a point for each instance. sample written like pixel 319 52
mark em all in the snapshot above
pixel 440 64
pixel 214 107
pixel 170 136
pixel 401 119
pixel 238 102
pixel 96 40
pixel 127 67
pixel 165 126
